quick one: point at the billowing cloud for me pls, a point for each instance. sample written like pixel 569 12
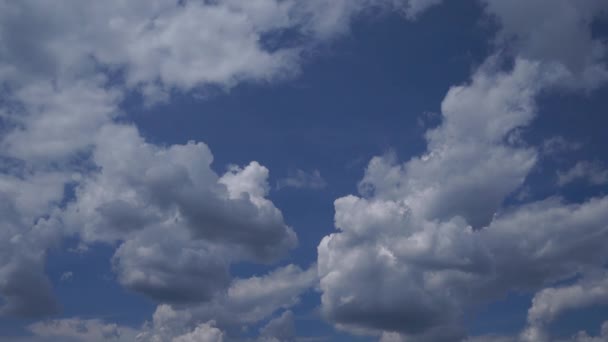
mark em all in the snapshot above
pixel 176 223
pixel 180 224
pixel 246 301
pixel 429 239
pixel 549 303
pixel 425 240
pixel 555 32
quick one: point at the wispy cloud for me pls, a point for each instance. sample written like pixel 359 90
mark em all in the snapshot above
pixel 592 172
pixel 301 179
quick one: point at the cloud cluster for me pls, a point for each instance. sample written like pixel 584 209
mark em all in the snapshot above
pixel 178 225
pixel 245 302
pixel 429 239
pixel 425 241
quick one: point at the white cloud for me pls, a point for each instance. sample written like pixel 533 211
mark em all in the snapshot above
pixel 549 303
pixel 180 224
pixel 78 330
pixel 300 179
pixel 591 172
pixel 246 301
pixel 64 74
pixel 429 239
pixel 555 32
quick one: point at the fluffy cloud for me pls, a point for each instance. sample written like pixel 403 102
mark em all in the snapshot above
pixel 430 238
pixel 550 303
pixel 180 224
pixel 64 75
pixel 246 301
pixel 166 44
pixel 555 31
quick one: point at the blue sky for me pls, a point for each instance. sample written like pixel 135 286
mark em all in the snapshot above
pixel 286 170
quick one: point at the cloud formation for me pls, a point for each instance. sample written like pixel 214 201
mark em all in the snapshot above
pixel 424 241
pixel 64 76
pixel 591 172
pixel 429 239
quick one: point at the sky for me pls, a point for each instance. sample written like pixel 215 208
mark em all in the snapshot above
pixel 303 170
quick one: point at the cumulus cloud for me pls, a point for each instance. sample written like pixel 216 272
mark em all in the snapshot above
pixel 177 224
pixel 246 301
pixel 550 303
pixel 180 224
pixel 430 238
pixel 555 32
pixel 555 146
pixel 424 241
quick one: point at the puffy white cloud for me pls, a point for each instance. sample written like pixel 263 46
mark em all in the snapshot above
pixel 246 301
pixel 54 121
pixel 555 32
pixel 468 170
pixel 180 224
pixel 429 239
pixel 64 74
pixel 162 45
pixel 550 303
pixel 179 45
